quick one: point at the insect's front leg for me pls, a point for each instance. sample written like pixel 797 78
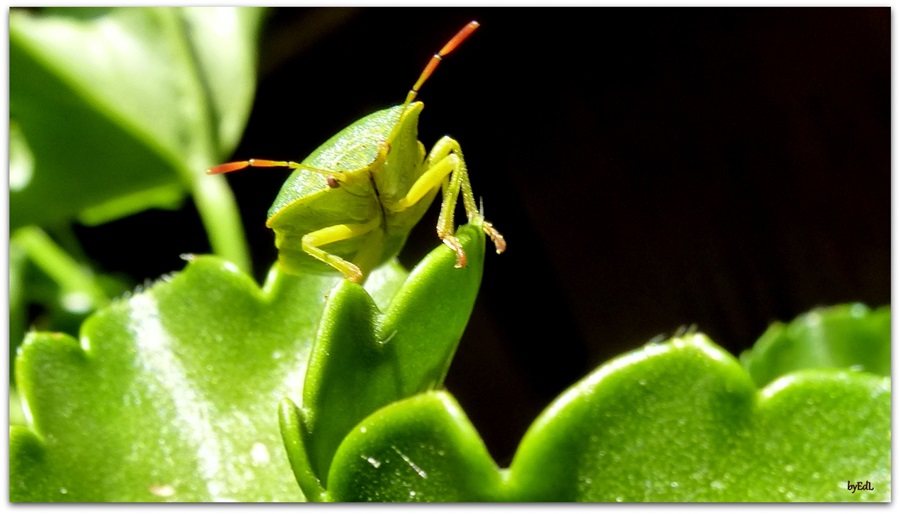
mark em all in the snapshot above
pixel 446 167
pixel 313 241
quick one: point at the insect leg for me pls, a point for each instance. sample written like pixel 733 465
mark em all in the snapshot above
pixel 447 149
pixel 449 146
pixel 446 167
pixel 437 176
pixel 313 241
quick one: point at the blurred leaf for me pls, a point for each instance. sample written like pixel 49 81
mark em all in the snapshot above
pixel 50 290
pixel 78 288
pixel 110 102
pixel 845 336
pixel 18 304
pixel 16 412
pixel 224 41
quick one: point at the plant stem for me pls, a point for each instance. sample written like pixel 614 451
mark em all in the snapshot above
pixel 72 277
pixel 219 212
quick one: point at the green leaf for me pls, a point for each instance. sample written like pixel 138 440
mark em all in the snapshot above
pixel 169 395
pixel 113 101
pixel 415 450
pixel 674 422
pixel 18 315
pixel 684 422
pixel 364 359
pixel 115 110
pixel 16 412
pixel 845 336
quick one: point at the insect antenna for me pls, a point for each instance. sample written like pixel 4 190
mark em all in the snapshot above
pixel 451 45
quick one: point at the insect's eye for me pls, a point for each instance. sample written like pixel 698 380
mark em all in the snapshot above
pixel 332 182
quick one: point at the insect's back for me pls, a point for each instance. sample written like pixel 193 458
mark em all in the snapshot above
pixel 306 203
pixel 353 148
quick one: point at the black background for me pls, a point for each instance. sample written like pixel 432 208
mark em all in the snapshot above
pixel 650 168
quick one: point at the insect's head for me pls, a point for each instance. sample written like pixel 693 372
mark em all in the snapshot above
pixel 402 141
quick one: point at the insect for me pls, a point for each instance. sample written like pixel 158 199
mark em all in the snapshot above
pixel 351 204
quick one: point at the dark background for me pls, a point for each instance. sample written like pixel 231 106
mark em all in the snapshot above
pixel 651 169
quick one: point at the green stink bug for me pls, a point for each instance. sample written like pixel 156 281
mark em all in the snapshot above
pixel 351 204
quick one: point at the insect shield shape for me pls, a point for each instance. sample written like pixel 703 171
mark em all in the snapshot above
pixel 351 204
